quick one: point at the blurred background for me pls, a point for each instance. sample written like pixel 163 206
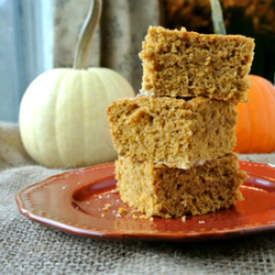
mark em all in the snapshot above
pixel 254 18
pixel 37 35
pixel 25 49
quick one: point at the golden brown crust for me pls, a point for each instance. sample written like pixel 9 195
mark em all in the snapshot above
pixel 178 63
pixel 165 192
pixel 176 132
pixel 188 121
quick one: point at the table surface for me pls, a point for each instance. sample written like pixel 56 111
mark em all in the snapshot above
pixel 28 247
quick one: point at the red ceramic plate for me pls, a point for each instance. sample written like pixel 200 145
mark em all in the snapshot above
pixel 84 202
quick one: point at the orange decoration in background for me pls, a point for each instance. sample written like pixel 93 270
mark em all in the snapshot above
pixel 255 128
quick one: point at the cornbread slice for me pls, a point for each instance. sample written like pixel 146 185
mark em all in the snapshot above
pixel 165 192
pixel 178 63
pixel 175 132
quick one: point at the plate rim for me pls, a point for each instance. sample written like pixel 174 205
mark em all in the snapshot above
pixel 188 237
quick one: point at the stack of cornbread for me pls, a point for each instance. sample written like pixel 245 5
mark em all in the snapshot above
pixel 175 139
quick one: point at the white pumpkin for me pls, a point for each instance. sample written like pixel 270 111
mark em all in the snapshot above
pixel 62 116
pixel 63 119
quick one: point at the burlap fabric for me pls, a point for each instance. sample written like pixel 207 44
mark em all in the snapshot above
pixel 27 247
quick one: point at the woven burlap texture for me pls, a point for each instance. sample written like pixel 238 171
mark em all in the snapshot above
pixel 28 247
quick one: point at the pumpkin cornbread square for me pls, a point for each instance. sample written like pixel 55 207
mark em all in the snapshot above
pixel 178 63
pixel 172 192
pixel 176 132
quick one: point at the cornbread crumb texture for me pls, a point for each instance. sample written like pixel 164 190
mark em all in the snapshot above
pixel 171 192
pixel 178 63
pixel 122 210
pixel 183 218
pixel 176 132
pixel 106 207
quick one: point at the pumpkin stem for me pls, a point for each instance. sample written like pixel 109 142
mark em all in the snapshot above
pixel 217 17
pixel 82 52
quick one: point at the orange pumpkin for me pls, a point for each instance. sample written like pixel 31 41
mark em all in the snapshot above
pixel 255 128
